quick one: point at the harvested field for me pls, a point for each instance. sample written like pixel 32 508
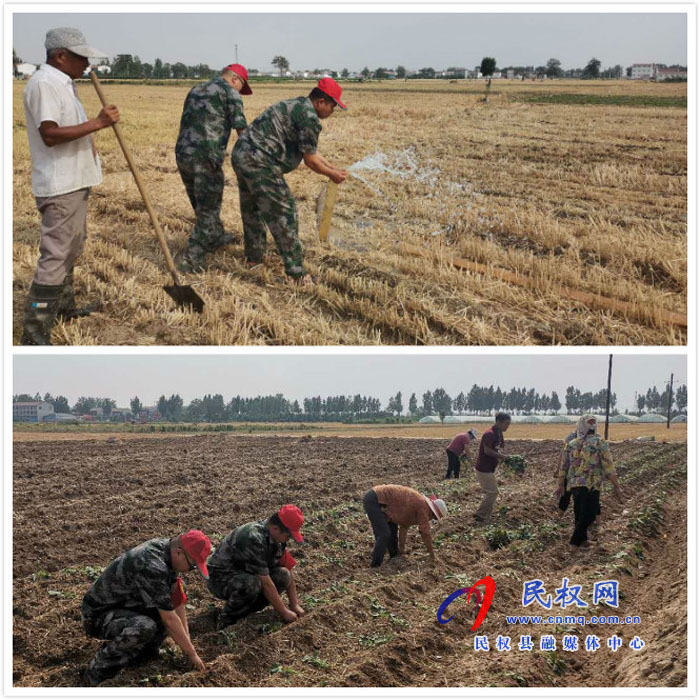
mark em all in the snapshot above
pixel 625 431
pixel 576 184
pixel 78 504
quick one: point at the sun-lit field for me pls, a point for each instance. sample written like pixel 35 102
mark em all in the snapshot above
pixel 678 432
pixel 365 627
pixel 578 185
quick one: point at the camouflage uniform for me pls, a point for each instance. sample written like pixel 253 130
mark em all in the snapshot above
pixel 122 606
pixel 211 110
pixel 274 144
pixel 246 554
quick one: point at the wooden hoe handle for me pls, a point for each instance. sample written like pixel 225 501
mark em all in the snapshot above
pixel 132 166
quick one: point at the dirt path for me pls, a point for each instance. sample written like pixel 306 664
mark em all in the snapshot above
pixel 77 505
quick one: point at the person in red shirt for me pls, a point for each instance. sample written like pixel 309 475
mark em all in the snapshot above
pixel 490 454
pixel 456 449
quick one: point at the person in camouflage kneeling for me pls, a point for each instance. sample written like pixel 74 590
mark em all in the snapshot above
pixel 139 600
pixel 252 567
pixel 275 144
pixel 211 111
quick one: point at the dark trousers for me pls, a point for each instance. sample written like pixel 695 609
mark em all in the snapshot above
pixel 453 465
pixel 564 501
pixel 243 592
pixel 586 508
pixel 386 534
pixel 133 635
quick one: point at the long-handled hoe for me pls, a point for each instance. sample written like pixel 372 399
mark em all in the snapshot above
pixel 182 294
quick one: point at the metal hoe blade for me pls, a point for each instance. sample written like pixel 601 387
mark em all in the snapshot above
pixel 183 295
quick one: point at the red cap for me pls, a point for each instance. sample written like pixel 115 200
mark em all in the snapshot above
pixel 292 518
pixel 198 546
pixel 332 89
pixel 242 73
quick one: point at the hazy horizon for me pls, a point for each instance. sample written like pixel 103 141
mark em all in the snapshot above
pixel 297 376
pixel 387 39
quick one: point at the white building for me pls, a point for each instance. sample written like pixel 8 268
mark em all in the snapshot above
pixel 670 74
pixel 643 71
pixel 104 70
pixel 25 70
pixel 31 411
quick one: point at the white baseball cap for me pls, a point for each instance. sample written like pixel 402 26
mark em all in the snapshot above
pixel 72 39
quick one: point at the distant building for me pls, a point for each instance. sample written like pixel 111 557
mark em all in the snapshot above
pixel 104 70
pixel 643 71
pixel 25 70
pixel 31 411
pixel 670 74
pixel 61 418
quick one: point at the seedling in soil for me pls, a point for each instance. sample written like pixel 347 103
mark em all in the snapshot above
pixel 516 463
pixel 556 663
pixel 522 682
pixel 286 671
pixel 375 640
pixel 310 601
pixel 41 575
pixel 227 638
pixel 270 627
pixel 314 660
pixel 151 680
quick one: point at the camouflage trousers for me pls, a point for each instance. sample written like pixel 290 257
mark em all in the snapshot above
pixel 204 182
pixel 133 636
pixel 243 592
pixel 267 201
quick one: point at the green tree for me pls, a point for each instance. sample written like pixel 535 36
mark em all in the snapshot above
pixel 381 74
pixel 136 406
pixel 22 398
pixel 147 71
pixel 682 398
pixel 401 72
pixel 592 69
pixel 175 408
pixel 554 403
pixel 413 405
pixel 179 71
pixel 16 60
pixel 158 71
pixel 84 404
pixel 344 73
pixel 553 69
pixel 281 63
pixel 195 411
pixel 426 72
pixel 366 72
pixel 488 66
pixel 123 66
pixel 60 405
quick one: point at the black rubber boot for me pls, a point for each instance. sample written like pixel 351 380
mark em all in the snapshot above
pixel 40 313
pixel 66 303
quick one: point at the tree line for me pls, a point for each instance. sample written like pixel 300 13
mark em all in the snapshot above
pixel 479 400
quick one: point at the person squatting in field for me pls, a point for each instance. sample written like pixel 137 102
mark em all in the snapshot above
pixel 391 510
pixel 490 454
pixel 458 451
pixel 251 568
pixel 275 144
pixel 65 165
pixel 586 462
pixel 139 600
pixel 211 111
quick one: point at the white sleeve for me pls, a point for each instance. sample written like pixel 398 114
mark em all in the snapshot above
pixel 42 103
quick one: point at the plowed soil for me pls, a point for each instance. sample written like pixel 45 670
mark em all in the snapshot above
pixel 79 504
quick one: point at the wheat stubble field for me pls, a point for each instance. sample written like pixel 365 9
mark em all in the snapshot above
pixel 576 184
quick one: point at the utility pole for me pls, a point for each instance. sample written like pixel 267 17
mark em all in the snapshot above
pixel 670 401
pixel 607 400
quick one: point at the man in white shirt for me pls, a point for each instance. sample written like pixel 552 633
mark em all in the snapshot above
pixel 65 165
